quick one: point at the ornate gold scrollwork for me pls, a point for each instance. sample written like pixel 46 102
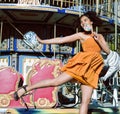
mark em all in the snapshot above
pixel 4 100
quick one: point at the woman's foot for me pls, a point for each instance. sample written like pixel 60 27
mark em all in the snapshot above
pixel 20 92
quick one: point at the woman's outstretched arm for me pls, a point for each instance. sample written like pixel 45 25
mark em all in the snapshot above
pixel 59 40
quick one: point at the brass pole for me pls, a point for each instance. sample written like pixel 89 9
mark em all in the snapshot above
pixel 54 37
pixel 77 43
pixel 97 10
pixel 1 31
pixel 109 8
pixel 116 23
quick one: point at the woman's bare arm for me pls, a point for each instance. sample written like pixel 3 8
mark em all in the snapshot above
pixel 59 40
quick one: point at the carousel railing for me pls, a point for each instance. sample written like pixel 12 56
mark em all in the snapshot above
pixel 103 7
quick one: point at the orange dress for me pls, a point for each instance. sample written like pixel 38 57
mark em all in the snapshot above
pixel 86 66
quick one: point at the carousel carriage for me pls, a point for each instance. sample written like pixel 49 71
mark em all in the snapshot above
pixel 11 80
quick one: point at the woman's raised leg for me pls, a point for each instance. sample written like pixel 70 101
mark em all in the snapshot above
pixel 61 79
pixel 86 97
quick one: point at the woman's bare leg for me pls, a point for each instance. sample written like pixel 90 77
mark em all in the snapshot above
pixel 61 79
pixel 86 97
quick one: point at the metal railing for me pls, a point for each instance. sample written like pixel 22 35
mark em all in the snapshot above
pixel 8 1
pixel 103 7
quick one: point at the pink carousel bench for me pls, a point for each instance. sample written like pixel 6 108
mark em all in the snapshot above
pixel 41 98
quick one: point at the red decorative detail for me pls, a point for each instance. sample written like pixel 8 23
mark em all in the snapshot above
pixel 9 80
pixel 44 69
pixel 43 98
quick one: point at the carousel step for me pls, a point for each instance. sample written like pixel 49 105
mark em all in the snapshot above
pixel 59 111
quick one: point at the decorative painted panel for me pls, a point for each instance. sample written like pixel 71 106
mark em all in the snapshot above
pixel 5 60
pixel 41 70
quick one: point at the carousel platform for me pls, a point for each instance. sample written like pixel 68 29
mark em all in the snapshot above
pixel 59 111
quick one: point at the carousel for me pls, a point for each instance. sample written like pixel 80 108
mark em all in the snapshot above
pixel 24 61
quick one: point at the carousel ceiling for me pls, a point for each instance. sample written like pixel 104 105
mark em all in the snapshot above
pixel 40 17
pixel 47 16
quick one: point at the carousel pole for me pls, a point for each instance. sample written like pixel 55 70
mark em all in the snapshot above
pixel 77 29
pixel 54 37
pixel 79 6
pixel 94 95
pixel 1 31
pixel 77 44
pixel 115 78
pixel 97 10
pixel 109 8
pixel 116 22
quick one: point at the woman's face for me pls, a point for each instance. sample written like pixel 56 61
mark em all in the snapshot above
pixel 86 23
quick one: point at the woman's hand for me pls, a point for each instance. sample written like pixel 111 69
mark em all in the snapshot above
pixel 101 41
pixel 38 39
pixel 96 36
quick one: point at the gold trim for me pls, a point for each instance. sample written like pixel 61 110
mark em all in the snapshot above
pixel 5 100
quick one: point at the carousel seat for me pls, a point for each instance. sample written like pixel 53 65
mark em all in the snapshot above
pixel 41 70
pixel 10 80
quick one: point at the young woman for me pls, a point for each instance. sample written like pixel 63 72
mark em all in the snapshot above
pixel 84 66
